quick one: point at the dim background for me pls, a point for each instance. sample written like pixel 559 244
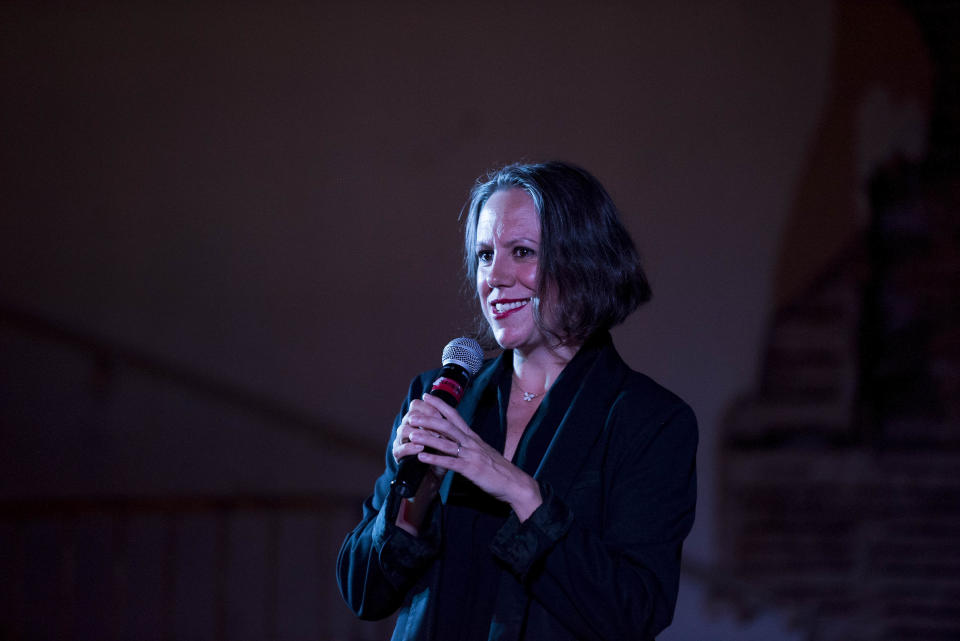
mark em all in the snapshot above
pixel 229 238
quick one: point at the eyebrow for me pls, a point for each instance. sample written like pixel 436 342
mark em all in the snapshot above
pixel 512 241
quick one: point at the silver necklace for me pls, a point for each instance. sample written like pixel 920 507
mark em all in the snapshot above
pixel 527 396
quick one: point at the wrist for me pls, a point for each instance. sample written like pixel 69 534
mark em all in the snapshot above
pixel 413 510
pixel 528 499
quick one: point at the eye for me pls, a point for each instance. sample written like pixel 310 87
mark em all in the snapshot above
pixel 484 256
pixel 523 252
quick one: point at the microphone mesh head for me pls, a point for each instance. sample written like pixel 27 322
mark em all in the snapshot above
pixel 465 352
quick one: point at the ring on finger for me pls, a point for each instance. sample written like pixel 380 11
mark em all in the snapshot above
pixel 458 450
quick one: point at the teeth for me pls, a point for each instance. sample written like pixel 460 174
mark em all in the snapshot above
pixel 506 307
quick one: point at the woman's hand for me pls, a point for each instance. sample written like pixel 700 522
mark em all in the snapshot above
pixel 461 450
pixel 404 446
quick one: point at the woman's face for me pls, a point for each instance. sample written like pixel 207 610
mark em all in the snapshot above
pixel 507 251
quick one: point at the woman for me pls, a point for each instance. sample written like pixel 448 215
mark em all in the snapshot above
pixel 563 485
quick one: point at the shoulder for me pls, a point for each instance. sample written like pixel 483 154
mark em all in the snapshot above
pixel 650 429
pixel 643 408
pixel 641 391
pixel 637 391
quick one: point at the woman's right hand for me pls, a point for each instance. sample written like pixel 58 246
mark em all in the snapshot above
pixel 402 445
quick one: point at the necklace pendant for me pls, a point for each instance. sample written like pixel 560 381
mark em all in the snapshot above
pixel 527 396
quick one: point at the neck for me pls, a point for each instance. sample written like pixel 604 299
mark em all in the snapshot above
pixel 537 370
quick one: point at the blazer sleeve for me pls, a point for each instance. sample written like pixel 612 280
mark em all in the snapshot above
pixel 379 562
pixel 614 575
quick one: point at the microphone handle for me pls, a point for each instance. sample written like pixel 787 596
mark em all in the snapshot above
pixel 410 473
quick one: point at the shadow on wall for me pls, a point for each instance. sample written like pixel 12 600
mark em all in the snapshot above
pixel 839 492
pixel 839 496
pixel 877 108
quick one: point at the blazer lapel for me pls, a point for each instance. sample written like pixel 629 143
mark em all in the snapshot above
pixel 583 421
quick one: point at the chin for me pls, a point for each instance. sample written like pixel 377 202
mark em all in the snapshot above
pixel 505 339
pixel 516 332
pixel 502 340
pixel 512 340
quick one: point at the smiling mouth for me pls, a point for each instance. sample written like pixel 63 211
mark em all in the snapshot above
pixel 502 307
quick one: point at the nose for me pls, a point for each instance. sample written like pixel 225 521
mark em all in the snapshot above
pixel 500 272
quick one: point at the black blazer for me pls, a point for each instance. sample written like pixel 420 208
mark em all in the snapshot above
pixel 600 559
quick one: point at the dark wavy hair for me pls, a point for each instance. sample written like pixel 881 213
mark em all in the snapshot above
pixel 587 262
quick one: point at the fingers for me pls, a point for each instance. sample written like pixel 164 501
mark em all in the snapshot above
pixel 421 418
pixel 444 410
pixel 403 446
pixel 424 407
pixel 437 433
pixel 446 442
pixel 447 420
pixel 443 454
pixel 426 438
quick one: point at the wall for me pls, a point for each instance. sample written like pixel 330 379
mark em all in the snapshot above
pixel 268 199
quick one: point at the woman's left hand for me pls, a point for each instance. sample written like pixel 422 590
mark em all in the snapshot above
pixel 466 453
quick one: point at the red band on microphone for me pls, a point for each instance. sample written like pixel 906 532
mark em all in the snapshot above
pixel 449 386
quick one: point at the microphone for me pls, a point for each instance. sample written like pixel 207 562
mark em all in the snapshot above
pixel 461 360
